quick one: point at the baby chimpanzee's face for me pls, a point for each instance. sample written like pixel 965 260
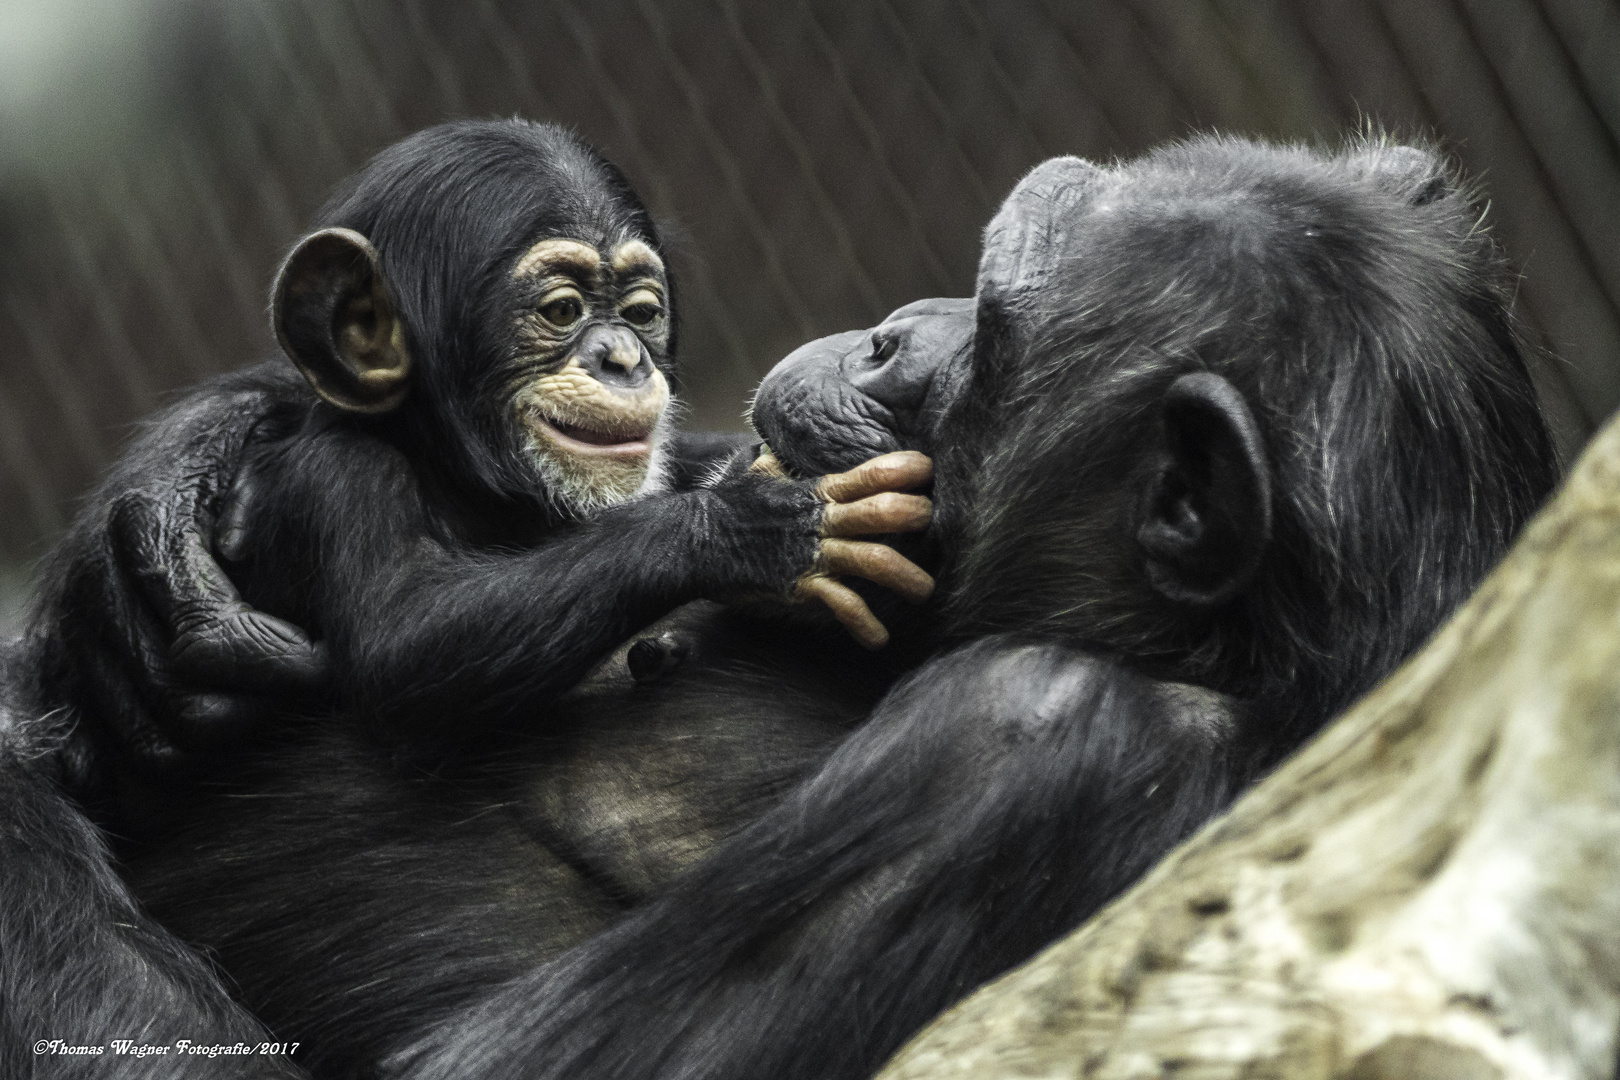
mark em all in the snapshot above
pixel 591 326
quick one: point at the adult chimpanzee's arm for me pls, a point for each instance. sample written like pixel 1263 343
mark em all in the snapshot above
pixel 995 799
pixel 135 624
pixel 81 964
pixel 431 636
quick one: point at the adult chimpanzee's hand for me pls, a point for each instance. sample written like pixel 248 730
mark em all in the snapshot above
pixel 219 666
pixel 865 501
pixel 150 644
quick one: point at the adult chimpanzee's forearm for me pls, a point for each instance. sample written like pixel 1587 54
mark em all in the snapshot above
pixel 483 636
pixel 885 887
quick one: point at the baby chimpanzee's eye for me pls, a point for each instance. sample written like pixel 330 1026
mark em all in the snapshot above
pixel 562 311
pixel 641 307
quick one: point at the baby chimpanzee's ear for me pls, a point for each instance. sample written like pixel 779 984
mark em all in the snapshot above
pixel 335 319
pixel 1205 517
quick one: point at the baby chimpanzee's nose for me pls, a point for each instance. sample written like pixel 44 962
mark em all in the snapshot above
pixel 614 356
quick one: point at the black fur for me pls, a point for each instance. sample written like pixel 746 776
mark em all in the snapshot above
pixel 1359 305
pixel 82 964
pixel 420 545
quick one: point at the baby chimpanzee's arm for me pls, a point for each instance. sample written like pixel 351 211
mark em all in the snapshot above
pixel 423 628
pixel 143 637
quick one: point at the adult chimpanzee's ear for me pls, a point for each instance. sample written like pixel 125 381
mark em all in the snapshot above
pixel 1205 518
pixel 334 318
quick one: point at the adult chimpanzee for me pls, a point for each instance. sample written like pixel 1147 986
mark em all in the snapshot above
pixel 1239 426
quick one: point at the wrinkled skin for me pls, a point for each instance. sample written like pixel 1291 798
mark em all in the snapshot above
pixel 848 397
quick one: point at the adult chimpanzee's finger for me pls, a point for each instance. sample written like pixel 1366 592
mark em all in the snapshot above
pixel 899 471
pixel 877 563
pixel 127 715
pixel 152 714
pixel 231 537
pixel 163 551
pixel 885 512
pixel 768 464
pixel 848 608
pixel 241 648
pixel 152 711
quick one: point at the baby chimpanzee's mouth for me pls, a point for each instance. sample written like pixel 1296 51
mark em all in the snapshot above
pixel 578 438
pixel 580 433
pixel 571 414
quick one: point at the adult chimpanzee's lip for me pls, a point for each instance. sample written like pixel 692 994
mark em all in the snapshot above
pixel 577 439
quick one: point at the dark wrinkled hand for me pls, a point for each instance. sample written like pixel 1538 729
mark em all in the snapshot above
pixel 218 667
pixel 154 645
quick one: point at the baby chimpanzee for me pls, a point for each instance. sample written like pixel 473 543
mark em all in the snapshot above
pixel 458 509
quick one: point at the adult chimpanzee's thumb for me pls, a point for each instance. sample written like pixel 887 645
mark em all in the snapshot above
pixel 242 649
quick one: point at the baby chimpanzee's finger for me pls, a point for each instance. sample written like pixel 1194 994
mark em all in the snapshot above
pixel 885 512
pixel 848 608
pixel 877 563
pixel 899 471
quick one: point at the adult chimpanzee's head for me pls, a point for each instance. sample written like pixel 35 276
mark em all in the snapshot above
pixel 1252 415
pixel 498 290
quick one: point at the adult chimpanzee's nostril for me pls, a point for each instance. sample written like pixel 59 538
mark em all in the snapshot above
pixel 653 659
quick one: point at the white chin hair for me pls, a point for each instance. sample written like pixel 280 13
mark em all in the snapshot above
pixel 584 487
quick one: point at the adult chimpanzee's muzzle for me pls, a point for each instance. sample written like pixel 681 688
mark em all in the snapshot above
pixel 839 400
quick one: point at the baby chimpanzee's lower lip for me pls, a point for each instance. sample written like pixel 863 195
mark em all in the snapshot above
pixel 583 440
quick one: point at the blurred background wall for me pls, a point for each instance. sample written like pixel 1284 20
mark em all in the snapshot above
pixel 821 162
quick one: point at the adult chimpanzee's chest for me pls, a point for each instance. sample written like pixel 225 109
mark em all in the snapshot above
pixel 681 736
